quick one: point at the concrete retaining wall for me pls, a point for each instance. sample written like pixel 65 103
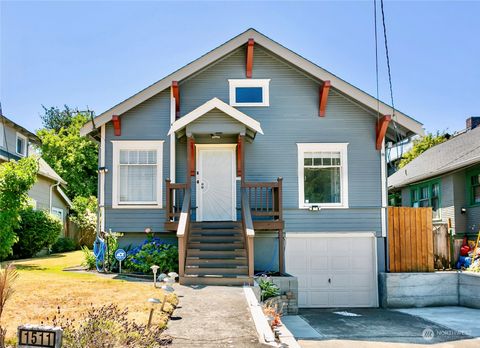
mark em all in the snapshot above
pixel 402 290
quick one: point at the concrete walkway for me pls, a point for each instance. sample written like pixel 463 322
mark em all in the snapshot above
pixel 212 316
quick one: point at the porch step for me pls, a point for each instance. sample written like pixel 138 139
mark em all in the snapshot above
pixel 215 271
pixel 215 225
pixel 216 233
pixel 228 238
pixel 215 246
pixel 233 280
pixel 195 261
pixel 216 254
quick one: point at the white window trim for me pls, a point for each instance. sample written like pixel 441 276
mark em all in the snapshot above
pixel 2 135
pixel 24 138
pixel 136 145
pixel 58 210
pixel 328 147
pixel 264 83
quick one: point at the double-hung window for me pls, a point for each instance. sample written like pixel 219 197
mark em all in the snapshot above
pixel 323 175
pixel 473 186
pixel 21 144
pixel 137 177
pixel 427 195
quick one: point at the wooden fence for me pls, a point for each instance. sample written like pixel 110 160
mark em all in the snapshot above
pixel 410 239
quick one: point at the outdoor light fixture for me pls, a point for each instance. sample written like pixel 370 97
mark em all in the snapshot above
pixel 463 210
pixel 153 302
pixel 168 290
pixel 173 275
pixel 148 230
pixel 102 170
pixel 154 268
pixel 161 277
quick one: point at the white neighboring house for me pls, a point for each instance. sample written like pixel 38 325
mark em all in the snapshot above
pixel 47 193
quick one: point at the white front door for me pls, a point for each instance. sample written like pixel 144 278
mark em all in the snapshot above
pixel 216 189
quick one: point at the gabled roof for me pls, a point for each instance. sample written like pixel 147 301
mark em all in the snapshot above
pixel 45 170
pixel 412 126
pixel 459 152
pixel 64 196
pixel 32 137
pixel 215 103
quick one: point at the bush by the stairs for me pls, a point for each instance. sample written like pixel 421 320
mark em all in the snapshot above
pixel 64 244
pixel 38 230
pixel 153 251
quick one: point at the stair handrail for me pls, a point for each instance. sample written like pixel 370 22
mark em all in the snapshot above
pixel 182 232
pixel 248 231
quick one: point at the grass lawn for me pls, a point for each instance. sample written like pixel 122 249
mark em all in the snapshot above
pixel 43 286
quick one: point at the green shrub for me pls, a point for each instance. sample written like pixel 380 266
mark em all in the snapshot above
pixel 88 258
pixel 153 251
pixel 268 289
pixel 38 230
pixel 64 244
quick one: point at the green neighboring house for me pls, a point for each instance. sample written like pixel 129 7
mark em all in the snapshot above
pixel 47 193
pixel 446 178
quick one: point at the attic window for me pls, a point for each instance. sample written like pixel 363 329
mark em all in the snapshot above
pixel 21 145
pixel 249 92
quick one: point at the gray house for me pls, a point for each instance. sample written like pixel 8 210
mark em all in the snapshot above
pixel 446 177
pixel 252 158
pixel 46 193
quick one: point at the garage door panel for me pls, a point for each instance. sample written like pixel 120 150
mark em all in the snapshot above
pixel 348 261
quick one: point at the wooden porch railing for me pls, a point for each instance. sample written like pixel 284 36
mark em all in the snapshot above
pixel 183 232
pixel 174 197
pixel 248 231
pixel 265 199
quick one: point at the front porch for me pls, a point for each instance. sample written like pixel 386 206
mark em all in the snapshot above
pixel 216 213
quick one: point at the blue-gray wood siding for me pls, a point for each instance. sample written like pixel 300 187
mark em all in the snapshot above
pixel 291 118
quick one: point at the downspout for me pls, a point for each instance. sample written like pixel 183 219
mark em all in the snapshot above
pixel 51 195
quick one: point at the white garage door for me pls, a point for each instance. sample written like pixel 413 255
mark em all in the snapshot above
pixel 333 270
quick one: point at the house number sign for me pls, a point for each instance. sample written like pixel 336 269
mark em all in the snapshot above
pixel 30 336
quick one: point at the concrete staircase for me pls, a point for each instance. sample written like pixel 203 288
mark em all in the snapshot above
pixel 216 255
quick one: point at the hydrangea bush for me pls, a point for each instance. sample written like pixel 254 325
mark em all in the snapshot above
pixel 153 251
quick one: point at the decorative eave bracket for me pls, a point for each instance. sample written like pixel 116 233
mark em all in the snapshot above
pixel 324 89
pixel 382 126
pixel 176 96
pixel 117 125
pixel 249 65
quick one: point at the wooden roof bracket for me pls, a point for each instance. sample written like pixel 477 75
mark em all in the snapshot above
pixel 249 66
pixel 382 126
pixel 324 89
pixel 117 125
pixel 176 95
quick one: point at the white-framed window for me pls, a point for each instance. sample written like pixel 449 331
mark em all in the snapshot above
pixel 323 175
pixel 2 134
pixel 57 212
pixel 21 144
pixel 249 92
pixel 137 174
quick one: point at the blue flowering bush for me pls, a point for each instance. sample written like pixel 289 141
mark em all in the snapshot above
pixel 153 251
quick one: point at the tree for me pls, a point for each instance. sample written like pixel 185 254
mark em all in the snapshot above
pixel 16 179
pixel 73 157
pixel 421 145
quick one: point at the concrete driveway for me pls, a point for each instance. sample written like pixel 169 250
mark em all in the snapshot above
pixel 374 327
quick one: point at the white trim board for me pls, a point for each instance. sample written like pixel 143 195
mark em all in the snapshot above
pixel 136 145
pixel 215 103
pixel 262 40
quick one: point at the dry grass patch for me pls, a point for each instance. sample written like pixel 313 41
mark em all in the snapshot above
pixel 42 287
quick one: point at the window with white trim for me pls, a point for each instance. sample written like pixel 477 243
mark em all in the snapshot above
pixel 57 212
pixel 2 134
pixel 323 175
pixel 21 145
pixel 137 174
pixel 249 92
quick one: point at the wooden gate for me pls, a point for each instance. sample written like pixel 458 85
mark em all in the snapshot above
pixel 410 239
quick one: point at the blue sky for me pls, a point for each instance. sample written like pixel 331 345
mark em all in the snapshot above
pixel 96 54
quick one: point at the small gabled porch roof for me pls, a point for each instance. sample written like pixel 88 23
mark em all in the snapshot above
pixel 218 104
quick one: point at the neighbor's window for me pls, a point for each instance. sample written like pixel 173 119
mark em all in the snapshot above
pixel 138 166
pixel 474 184
pixel 427 195
pixel 21 145
pixel 2 132
pixel 323 175
pixel 249 92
